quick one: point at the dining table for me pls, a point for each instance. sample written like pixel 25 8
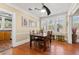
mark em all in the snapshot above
pixel 38 38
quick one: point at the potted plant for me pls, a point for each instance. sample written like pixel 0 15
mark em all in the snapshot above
pixel 74 35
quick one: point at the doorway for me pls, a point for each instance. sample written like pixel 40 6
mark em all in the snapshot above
pixel 6 30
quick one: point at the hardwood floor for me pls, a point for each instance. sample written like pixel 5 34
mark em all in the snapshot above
pixel 57 48
pixel 4 45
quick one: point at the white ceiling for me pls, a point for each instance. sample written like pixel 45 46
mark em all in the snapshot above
pixel 55 8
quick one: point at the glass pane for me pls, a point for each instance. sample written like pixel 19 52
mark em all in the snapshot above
pixel 76 22
pixel 60 24
pixel 0 21
pixel 8 23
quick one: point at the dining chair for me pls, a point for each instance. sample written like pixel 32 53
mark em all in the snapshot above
pixel 49 36
pixel 46 41
pixel 34 40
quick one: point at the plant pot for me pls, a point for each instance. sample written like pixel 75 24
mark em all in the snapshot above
pixel 74 38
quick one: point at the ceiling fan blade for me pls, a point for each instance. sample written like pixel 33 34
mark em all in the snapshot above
pixel 37 9
pixel 47 9
pixel 30 9
pixel 42 3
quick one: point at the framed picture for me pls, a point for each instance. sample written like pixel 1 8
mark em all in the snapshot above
pixel 24 22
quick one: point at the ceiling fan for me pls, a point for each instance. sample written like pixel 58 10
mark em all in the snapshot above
pixel 43 7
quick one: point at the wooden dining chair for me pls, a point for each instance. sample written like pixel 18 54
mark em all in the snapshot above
pixel 49 36
pixel 34 40
pixel 47 41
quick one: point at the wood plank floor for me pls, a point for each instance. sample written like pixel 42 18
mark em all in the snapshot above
pixel 57 48
pixel 4 45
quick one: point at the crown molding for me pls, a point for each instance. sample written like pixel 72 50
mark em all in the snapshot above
pixel 73 8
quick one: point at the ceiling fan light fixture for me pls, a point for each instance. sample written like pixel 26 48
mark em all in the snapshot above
pixel 43 10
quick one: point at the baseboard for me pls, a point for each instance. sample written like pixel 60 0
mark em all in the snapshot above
pixel 20 43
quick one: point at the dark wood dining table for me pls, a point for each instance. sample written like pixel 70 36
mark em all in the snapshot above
pixel 37 37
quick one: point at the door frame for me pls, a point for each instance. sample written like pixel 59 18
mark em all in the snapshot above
pixel 13 25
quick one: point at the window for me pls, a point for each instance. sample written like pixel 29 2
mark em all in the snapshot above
pixel 76 22
pixel 0 21
pixel 8 22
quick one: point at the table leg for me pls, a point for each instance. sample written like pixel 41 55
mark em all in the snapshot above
pixel 44 45
pixel 30 43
